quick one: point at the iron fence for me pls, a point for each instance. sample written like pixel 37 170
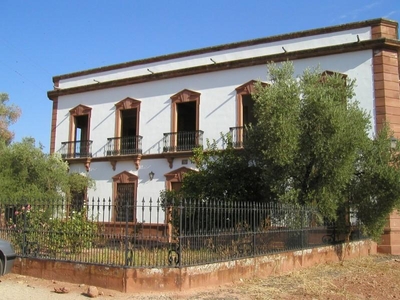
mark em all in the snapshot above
pixel 163 234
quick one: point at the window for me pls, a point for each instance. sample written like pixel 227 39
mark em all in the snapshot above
pixel 248 110
pixel 77 201
pixel 126 140
pixel 79 144
pixel 124 190
pixel 244 112
pixel 173 183
pixel 343 81
pixel 174 179
pixel 326 74
pixel 185 133
pixel 245 104
pixel 124 202
pixel 176 186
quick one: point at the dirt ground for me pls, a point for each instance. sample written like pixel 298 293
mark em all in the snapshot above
pixel 374 277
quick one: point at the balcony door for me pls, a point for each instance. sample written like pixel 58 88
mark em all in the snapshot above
pixel 128 131
pixel 248 110
pixel 79 136
pixel 185 121
pixel 244 112
pixel 186 126
pixel 126 139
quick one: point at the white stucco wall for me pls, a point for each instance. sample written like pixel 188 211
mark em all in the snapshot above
pixel 217 100
pixel 217 107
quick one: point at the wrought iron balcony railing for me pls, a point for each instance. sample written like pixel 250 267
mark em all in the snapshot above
pixel 76 149
pixel 239 135
pixel 124 145
pixel 182 140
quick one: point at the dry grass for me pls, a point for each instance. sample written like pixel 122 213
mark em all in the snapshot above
pixel 375 277
pixel 346 280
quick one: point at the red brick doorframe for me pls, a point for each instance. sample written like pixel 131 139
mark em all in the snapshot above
pixel 133 280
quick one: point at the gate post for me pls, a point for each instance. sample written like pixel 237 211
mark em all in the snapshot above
pixel 390 241
pixel 387 107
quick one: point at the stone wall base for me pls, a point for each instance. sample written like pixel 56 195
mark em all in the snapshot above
pixel 175 279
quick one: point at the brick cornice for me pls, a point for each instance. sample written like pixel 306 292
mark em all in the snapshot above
pixel 382 43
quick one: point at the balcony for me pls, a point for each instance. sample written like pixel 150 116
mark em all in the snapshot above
pixel 130 145
pixel 76 149
pixel 238 135
pixel 182 141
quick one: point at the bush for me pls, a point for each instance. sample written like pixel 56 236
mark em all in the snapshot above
pixel 34 230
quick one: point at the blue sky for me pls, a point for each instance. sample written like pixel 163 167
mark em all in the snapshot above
pixel 40 39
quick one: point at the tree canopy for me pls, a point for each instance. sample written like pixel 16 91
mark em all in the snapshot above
pixel 311 144
pixel 9 114
pixel 223 175
pixel 28 174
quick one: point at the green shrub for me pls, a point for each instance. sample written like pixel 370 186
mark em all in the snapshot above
pixel 39 229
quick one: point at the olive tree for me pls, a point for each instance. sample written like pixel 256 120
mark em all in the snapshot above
pixel 311 144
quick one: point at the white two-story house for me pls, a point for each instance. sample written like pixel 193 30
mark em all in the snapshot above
pixel 132 126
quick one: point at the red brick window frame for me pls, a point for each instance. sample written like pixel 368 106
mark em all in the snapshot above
pixel 247 88
pixel 182 97
pixel 127 103
pixel 125 178
pixel 327 73
pixel 176 176
pixel 78 111
pixel 173 181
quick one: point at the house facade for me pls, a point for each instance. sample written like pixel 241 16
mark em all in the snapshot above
pixel 132 126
